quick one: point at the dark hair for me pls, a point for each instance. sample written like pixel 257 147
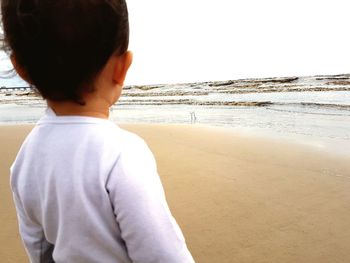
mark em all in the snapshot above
pixel 63 44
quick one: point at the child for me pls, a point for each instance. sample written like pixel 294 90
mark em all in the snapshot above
pixel 85 190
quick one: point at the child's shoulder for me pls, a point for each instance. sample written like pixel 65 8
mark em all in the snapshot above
pixel 118 135
pixel 132 141
pixel 114 137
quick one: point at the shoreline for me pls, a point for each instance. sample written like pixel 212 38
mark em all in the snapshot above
pixel 327 130
pixel 339 147
pixel 237 197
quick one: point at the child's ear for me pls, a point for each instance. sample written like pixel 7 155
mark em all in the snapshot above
pixel 19 69
pixel 122 66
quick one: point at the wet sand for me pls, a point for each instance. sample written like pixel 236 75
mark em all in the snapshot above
pixel 237 198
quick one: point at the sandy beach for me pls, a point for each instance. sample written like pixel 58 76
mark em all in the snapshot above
pixel 238 198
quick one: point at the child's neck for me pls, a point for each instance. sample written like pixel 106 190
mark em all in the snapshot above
pixel 95 108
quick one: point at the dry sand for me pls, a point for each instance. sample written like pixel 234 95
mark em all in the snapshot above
pixel 237 198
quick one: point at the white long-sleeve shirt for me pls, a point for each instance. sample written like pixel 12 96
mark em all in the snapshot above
pixel 87 191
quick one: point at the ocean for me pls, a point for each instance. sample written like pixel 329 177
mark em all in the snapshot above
pixel 311 110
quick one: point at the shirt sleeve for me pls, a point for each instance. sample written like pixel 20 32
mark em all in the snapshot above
pixel 150 232
pixel 37 247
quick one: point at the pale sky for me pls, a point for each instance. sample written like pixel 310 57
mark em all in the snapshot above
pixel 199 40
pixel 202 40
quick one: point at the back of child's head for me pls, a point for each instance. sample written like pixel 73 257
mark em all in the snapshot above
pixel 62 45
